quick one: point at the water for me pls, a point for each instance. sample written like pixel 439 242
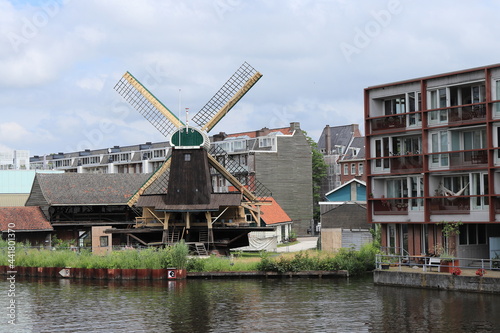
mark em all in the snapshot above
pixel 243 305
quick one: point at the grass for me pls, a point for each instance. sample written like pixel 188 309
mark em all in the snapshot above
pixel 353 261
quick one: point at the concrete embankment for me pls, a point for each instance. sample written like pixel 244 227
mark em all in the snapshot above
pixel 418 279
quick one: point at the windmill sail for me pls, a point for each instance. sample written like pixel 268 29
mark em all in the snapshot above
pixel 227 96
pixel 147 104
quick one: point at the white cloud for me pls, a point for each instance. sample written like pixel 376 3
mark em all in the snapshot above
pixel 57 84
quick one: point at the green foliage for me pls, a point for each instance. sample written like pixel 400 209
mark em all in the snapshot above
pixel 179 255
pixel 356 262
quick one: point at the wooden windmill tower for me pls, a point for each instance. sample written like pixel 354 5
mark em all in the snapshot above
pixel 178 198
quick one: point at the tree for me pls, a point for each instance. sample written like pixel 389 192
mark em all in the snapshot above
pixel 319 168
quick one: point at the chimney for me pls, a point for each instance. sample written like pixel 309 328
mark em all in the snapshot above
pixel 295 126
pixel 219 137
pixel 328 140
pixel 262 132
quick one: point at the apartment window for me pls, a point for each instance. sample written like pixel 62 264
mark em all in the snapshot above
pixel 159 153
pixel 438 99
pixel 187 157
pixel 439 143
pixel 360 168
pixel 414 104
pixel 382 150
pixel 395 105
pixel 239 145
pixel 346 169
pixel 266 142
pixel 472 234
pixel 353 168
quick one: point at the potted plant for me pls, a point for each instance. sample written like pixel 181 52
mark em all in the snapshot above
pixel 480 272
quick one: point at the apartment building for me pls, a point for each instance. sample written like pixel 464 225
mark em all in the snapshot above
pixel 343 150
pixel 432 152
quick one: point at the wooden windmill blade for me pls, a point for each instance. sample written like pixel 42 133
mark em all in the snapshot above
pixel 235 182
pixel 227 97
pixel 155 112
pixel 154 177
pixel 147 104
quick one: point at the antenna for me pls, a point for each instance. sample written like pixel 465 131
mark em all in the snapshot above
pixel 187 119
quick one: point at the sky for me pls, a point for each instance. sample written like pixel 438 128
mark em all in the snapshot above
pixel 60 59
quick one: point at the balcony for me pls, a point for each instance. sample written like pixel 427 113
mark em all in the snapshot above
pixel 471 113
pixel 450 205
pixel 459 160
pixel 399 164
pixel 390 206
pixel 457 115
pixel 389 123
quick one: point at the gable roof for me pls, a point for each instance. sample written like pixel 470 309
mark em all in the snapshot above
pixel 346 184
pixel 24 219
pixel 273 213
pixel 85 188
pixel 359 143
pixel 339 135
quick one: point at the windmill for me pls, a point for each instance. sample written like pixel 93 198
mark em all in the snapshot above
pixel 179 194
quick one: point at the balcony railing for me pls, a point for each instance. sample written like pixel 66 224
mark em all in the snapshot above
pixel 457 115
pixel 450 205
pixel 467 113
pixel 390 206
pixel 388 123
pixel 459 160
pixel 399 164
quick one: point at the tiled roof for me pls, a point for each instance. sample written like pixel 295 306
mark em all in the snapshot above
pixel 358 142
pixel 339 135
pixel 23 219
pixel 88 188
pixel 273 213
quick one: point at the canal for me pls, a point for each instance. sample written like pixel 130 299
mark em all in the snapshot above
pixel 243 305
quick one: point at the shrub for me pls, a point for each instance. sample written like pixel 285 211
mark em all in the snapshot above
pixel 179 253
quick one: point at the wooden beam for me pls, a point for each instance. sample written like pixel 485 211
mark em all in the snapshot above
pixel 213 162
pixel 133 200
pixel 138 239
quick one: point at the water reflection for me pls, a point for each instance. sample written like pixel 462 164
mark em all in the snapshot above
pixel 253 305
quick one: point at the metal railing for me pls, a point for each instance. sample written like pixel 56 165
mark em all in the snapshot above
pixel 401 260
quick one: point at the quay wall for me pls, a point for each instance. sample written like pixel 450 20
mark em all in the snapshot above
pixel 156 274
pixel 437 281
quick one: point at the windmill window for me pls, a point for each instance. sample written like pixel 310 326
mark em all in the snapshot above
pixel 187 157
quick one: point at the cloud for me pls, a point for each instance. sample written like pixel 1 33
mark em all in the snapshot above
pixel 57 77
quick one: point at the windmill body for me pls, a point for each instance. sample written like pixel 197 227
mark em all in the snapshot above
pixel 178 201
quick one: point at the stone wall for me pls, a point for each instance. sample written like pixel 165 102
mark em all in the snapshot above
pixel 437 281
